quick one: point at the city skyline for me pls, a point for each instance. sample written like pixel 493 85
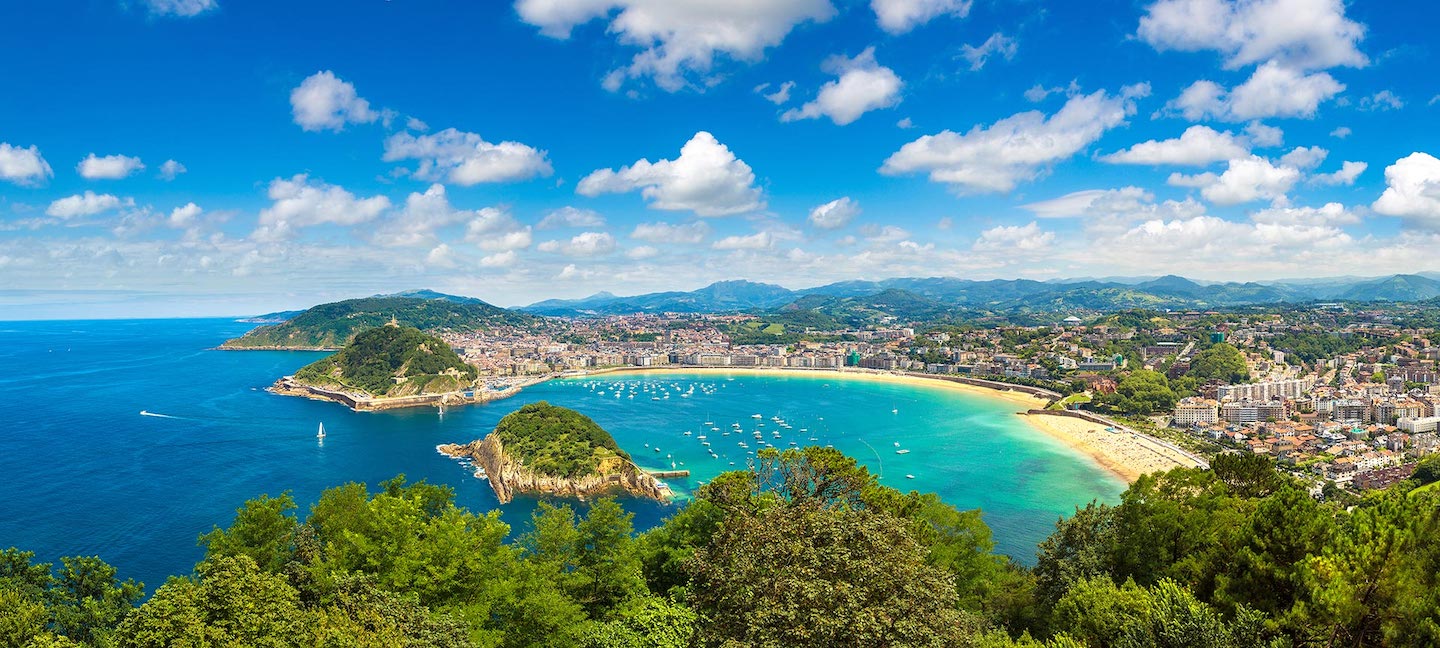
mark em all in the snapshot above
pixel 557 148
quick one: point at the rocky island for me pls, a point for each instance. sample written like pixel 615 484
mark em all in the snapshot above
pixel 385 367
pixel 545 449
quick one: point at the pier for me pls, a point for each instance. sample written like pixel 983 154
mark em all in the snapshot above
pixel 667 474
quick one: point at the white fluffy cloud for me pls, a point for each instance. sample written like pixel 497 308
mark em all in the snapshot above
pixel 584 244
pixel 86 204
pixel 1304 158
pixel 1346 175
pixel 997 45
pixel 834 214
pixel 779 96
pixel 900 16
pixel 1026 238
pixel 180 8
pixel 1015 149
pixel 184 215
pixel 110 167
pixel 499 259
pixel 23 166
pixel 706 178
pixel 673 234
pixel 1245 180
pixel 756 241
pixel 1272 91
pixel 861 85
pixel 418 221
pixel 495 230
pixel 571 217
pixel 171 170
pixel 324 102
pixel 466 158
pixel 1264 136
pixel 1412 190
pixel 1308 34
pixel 678 39
pixel 1197 146
pixel 298 202
pixel 1330 214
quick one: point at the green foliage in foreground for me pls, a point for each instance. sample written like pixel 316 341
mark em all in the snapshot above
pixel 376 358
pixel 806 549
pixel 556 441
pixel 332 325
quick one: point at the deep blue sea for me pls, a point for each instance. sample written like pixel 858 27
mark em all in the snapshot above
pixel 90 475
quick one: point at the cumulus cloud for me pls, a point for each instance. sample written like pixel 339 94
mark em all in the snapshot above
pixel 584 244
pixel 1412 190
pixel 678 40
pixel 1341 132
pixel 1306 34
pixel 184 215
pixel 1272 91
pixel 495 230
pixel 1245 180
pixel 900 16
pixel 466 158
pixel 641 252
pixel 180 8
pixel 1347 174
pixel 171 170
pixel 1016 149
pixel 834 214
pixel 1197 146
pixel 86 204
pixel 706 178
pixel 673 234
pixel 324 102
pixel 997 45
pixel 1025 238
pixel 1304 158
pixel 1381 101
pixel 1328 215
pixel 861 85
pixel 499 259
pixel 23 166
pixel 756 241
pixel 299 202
pixel 571 217
pixel 110 167
pixel 421 217
pixel 1264 136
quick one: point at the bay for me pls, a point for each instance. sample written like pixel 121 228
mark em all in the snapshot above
pixel 90 475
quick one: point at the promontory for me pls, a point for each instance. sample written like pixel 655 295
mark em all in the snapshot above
pixel 386 366
pixel 550 450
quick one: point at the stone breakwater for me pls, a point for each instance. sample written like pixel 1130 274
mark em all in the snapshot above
pixel 508 476
pixel 289 386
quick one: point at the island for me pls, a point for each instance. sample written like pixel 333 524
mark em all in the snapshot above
pixel 387 367
pixel 550 450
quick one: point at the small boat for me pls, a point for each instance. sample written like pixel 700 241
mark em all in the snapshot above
pixel 687 433
pixel 321 433
pixel 908 476
pixel 756 416
pixel 704 443
pixel 903 451
pixel 895 411
pixel 897 444
pixel 701 437
pixel 657 449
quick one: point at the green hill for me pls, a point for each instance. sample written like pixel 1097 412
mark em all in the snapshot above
pixel 389 361
pixel 556 441
pixel 330 326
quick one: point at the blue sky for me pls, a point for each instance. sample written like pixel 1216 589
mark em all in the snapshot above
pixel 187 157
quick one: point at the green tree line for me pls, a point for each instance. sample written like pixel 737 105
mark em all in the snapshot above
pixel 805 549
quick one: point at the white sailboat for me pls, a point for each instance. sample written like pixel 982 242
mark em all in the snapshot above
pixel 321 433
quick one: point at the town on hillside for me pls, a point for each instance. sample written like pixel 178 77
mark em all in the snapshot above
pixel 1346 398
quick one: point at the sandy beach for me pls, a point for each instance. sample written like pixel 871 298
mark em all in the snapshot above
pixel 1123 453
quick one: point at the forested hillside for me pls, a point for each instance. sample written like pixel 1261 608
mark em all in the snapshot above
pixel 391 361
pixel 330 326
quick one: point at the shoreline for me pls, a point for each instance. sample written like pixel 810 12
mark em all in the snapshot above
pixel 1125 453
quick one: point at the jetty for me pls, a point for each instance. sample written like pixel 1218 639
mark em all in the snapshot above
pixel 667 474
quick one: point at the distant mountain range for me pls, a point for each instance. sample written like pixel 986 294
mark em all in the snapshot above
pixel 1003 296
pixel 332 325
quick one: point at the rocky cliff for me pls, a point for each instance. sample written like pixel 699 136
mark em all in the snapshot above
pixel 509 476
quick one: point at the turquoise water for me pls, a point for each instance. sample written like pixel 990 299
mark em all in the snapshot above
pixel 89 474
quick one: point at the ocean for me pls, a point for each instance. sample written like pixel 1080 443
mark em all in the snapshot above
pixel 91 474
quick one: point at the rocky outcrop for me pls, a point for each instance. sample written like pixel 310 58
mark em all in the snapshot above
pixel 508 476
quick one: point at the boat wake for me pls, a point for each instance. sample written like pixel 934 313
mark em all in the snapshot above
pixel 166 416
